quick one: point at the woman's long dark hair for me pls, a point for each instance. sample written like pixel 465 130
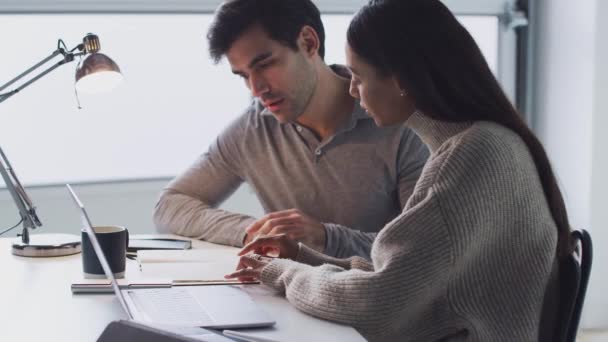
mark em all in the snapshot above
pixel 442 68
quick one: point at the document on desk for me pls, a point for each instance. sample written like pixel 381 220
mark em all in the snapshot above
pixel 187 265
pixel 168 268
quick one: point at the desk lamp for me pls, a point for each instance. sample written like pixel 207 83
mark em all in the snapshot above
pixel 96 72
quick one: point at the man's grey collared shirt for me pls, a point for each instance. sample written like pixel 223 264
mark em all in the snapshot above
pixel 354 182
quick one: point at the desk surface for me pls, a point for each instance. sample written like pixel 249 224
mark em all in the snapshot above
pixel 37 304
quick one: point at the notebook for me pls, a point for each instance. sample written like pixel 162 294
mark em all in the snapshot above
pixel 136 244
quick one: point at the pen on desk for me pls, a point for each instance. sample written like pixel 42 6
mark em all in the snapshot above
pixel 213 282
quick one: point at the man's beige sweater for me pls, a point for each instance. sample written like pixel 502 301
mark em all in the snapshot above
pixel 467 260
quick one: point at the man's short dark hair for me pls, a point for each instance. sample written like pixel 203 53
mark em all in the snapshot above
pixel 281 19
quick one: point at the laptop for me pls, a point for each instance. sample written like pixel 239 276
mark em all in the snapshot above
pixel 217 306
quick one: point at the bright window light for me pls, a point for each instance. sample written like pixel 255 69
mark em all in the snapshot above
pixel 171 105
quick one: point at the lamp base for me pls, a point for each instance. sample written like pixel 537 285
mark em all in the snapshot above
pixel 48 245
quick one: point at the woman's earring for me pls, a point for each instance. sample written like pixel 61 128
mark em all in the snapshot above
pixel 403 93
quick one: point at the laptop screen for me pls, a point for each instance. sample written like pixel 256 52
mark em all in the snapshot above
pixel 88 227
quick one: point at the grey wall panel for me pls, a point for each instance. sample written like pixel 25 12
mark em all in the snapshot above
pixel 129 204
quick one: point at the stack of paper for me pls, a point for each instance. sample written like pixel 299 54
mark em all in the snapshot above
pixel 187 265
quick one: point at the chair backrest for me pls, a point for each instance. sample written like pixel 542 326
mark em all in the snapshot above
pixel 571 290
pixel 586 258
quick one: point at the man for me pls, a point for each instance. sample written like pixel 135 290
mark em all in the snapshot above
pixel 324 173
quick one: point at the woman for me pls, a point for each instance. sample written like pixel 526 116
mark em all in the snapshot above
pixel 472 253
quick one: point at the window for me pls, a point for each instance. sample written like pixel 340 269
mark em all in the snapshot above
pixel 173 103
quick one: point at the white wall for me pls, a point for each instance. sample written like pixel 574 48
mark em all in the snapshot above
pixel 569 121
pixel 565 97
pixel 599 170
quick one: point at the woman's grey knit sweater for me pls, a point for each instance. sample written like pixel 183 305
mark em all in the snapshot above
pixel 467 260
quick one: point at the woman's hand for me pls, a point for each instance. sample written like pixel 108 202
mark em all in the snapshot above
pixel 249 268
pixel 250 265
pixel 279 245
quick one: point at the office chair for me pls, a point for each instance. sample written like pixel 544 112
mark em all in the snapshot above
pixel 573 279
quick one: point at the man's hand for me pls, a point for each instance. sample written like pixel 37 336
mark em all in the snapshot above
pixel 292 223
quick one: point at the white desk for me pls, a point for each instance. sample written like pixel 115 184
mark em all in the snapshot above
pixel 36 303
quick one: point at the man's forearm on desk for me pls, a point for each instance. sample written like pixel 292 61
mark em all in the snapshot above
pixel 182 215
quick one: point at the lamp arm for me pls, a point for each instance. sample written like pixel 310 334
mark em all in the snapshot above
pixel 20 76
pixel 26 208
pixel 23 202
pixel 67 57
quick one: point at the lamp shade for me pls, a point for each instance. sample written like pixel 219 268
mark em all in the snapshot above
pixel 97 73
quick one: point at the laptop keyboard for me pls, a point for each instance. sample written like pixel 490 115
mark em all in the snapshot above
pixel 174 306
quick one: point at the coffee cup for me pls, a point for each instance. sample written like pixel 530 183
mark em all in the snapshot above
pixel 113 241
